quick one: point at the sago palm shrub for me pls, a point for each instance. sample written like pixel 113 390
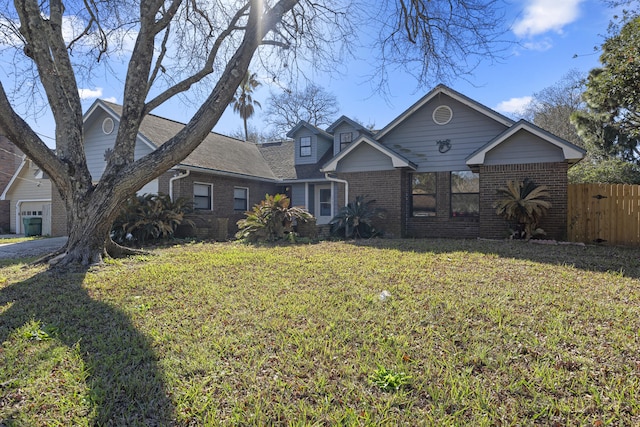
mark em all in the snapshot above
pixel 524 203
pixel 272 219
pixel 149 217
pixel 356 219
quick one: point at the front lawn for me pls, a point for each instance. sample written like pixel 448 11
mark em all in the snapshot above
pixel 466 333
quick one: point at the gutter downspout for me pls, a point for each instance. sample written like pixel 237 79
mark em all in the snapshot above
pixel 175 178
pixel 341 181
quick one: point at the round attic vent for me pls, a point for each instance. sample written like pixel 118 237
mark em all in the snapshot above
pixel 107 125
pixel 442 115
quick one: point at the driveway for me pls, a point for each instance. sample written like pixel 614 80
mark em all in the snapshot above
pixel 31 248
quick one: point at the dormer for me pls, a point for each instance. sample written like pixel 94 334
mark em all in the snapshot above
pixel 311 143
pixel 345 131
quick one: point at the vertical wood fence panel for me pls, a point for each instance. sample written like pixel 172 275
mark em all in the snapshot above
pixel 604 213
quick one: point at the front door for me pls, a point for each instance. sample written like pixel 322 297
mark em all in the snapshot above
pixel 323 205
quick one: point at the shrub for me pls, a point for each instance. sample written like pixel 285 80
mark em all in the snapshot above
pixel 356 219
pixel 609 171
pixel 149 217
pixel 523 202
pixel 271 220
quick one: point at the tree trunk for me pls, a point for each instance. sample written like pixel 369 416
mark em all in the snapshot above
pixel 89 221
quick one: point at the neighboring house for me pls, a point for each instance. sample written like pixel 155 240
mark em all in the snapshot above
pixel 434 169
pixel 29 195
pixel 10 160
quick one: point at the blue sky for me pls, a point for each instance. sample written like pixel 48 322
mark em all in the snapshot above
pixel 548 34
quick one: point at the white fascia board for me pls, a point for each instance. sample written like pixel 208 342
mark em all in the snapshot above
pixel 13 178
pixel 396 160
pixel 569 151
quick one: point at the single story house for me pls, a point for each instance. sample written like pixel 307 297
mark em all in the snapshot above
pixel 434 169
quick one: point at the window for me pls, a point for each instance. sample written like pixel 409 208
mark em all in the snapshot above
pixel 325 202
pixel 202 199
pixel 465 194
pixel 423 194
pixel 240 199
pixel 305 146
pixel 345 140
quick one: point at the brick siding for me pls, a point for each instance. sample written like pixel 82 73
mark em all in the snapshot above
pixel 553 175
pixel 58 214
pixel 5 216
pixel 209 224
pixel 386 188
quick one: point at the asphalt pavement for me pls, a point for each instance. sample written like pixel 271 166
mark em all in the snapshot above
pixel 31 248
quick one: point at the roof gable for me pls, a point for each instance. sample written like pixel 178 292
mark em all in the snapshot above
pixel 311 128
pixel 397 160
pixel 440 90
pixel 352 123
pixel 572 153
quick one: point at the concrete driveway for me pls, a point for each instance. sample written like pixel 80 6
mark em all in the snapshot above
pixel 31 248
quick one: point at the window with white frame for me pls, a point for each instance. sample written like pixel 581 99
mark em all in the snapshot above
pixel 202 196
pixel 305 146
pixel 345 140
pixel 241 199
pixel 465 194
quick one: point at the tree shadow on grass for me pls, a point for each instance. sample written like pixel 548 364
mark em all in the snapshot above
pixel 124 382
pixel 585 257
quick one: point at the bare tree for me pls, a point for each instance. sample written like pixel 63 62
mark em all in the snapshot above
pixel 552 107
pixel 313 104
pixel 199 50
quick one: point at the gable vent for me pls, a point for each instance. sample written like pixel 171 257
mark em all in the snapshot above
pixel 442 115
pixel 107 125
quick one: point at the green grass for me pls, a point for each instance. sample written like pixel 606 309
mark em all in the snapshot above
pixel 474 333
pixel 6 240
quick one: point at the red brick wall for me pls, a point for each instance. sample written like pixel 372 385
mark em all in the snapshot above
pixel 385 187
pixel 553 175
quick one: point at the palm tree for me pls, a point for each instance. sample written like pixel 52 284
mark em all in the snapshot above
pixel 243 103
pixel 525 203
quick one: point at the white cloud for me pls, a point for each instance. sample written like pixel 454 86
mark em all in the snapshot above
pixel 514 105
pixel 111 99
pixel 539 46
pixel 541 16
pixel 90 93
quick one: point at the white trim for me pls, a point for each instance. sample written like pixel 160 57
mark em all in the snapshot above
pixel 438 108
pixel 13 178
pixel 108 125
pixel 396 160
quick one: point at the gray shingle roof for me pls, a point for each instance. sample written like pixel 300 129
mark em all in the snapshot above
pixel 280 156
pixel 216 153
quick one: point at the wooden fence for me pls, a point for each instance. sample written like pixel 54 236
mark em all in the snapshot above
pixel 604 213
